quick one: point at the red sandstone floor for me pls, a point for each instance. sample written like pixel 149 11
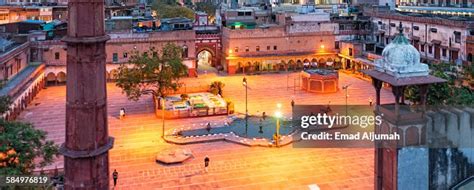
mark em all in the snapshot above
pixel 232 166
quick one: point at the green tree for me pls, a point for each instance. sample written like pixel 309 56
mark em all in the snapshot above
pixel 22 147
pixel 207 7
pixel 170 9
pixel 442 94
pixel 152 73
pixel 216 87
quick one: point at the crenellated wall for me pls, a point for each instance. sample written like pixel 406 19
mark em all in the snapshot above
pixel 448 157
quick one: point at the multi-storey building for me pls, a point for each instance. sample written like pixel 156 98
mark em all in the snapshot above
pixel 442 7
pixel 292 41
pixel 10 14
pixel 118 49
pixel 437 39
pixel 21 78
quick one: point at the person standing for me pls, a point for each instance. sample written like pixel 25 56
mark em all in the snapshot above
pixel 370 101
pixel 122 113
pixel 206 163
pixel 115 176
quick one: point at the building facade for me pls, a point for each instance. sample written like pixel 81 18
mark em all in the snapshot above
pixel 437 39
pixel 118 51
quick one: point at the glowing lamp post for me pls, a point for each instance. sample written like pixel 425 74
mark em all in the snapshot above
pixel 278 115
pixel 244 82
pixel 163 117
pixel 346 87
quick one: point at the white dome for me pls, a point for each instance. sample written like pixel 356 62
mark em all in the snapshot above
pixel 400 52
pixel 401 59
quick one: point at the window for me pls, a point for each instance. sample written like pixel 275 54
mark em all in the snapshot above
pixel 268 48
pixel 115 57
pixel 341 27
pixel 422 48
pixel 369 47
pixel 336 44
pixel 416 28
pixel 393 24
pixel 3 16
pixel 457 37
pixel 443 52
pixel 378 39
pixel 18 64
pixel 350 51
pixel 274 47
pixel 433 30
pixel 386 40
pixel 257 48
pixel 125 55
pixel 247 49
pixel 240 13
pixel 56 55
pixel 236 49
pixel 380 22
pixel 430 49
pixel 248 13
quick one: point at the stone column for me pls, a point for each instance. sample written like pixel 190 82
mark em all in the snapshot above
pixel 86 161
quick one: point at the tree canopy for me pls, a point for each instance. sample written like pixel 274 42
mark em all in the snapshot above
pixel 22 147
pixel 171 9
pixel 152 72
pixel 442 94
pixel 206 7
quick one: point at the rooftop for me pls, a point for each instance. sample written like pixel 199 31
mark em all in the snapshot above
pixel 406 81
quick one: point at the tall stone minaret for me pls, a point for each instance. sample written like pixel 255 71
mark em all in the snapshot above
pixel 86 160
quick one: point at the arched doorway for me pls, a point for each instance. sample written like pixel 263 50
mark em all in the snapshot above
pixel 61 78
pixel 51 79
pixel 205 62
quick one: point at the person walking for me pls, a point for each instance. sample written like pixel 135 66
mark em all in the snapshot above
pixel 206 163
pixel 122 113
pixel 370 101
pixel 115 176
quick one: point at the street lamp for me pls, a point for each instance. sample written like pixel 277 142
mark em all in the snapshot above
pixel 244 82
pixel 278 115
pixel 163 117
pixel 346 87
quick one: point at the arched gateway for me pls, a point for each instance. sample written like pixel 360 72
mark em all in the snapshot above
pixel 208 51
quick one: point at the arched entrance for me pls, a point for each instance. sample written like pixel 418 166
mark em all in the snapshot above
pixel 205 61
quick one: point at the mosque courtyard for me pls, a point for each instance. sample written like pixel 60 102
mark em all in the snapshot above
pixel 232 166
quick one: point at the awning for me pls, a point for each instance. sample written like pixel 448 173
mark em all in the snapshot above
pixel 454 49
pixel 435 41
pixel 365 61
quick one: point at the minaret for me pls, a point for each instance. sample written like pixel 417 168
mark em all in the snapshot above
pixel 400 67
pixel 86 160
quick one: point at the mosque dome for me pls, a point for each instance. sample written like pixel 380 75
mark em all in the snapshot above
pixel 401 52
pixel 401 59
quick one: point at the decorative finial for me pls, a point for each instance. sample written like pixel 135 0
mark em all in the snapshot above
pixel 400 28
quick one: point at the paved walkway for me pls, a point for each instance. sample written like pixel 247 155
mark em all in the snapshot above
pixel 232 166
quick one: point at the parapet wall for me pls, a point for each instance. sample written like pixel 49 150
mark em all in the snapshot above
pixel 254 33
pixel 440 168
pixel 182 35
